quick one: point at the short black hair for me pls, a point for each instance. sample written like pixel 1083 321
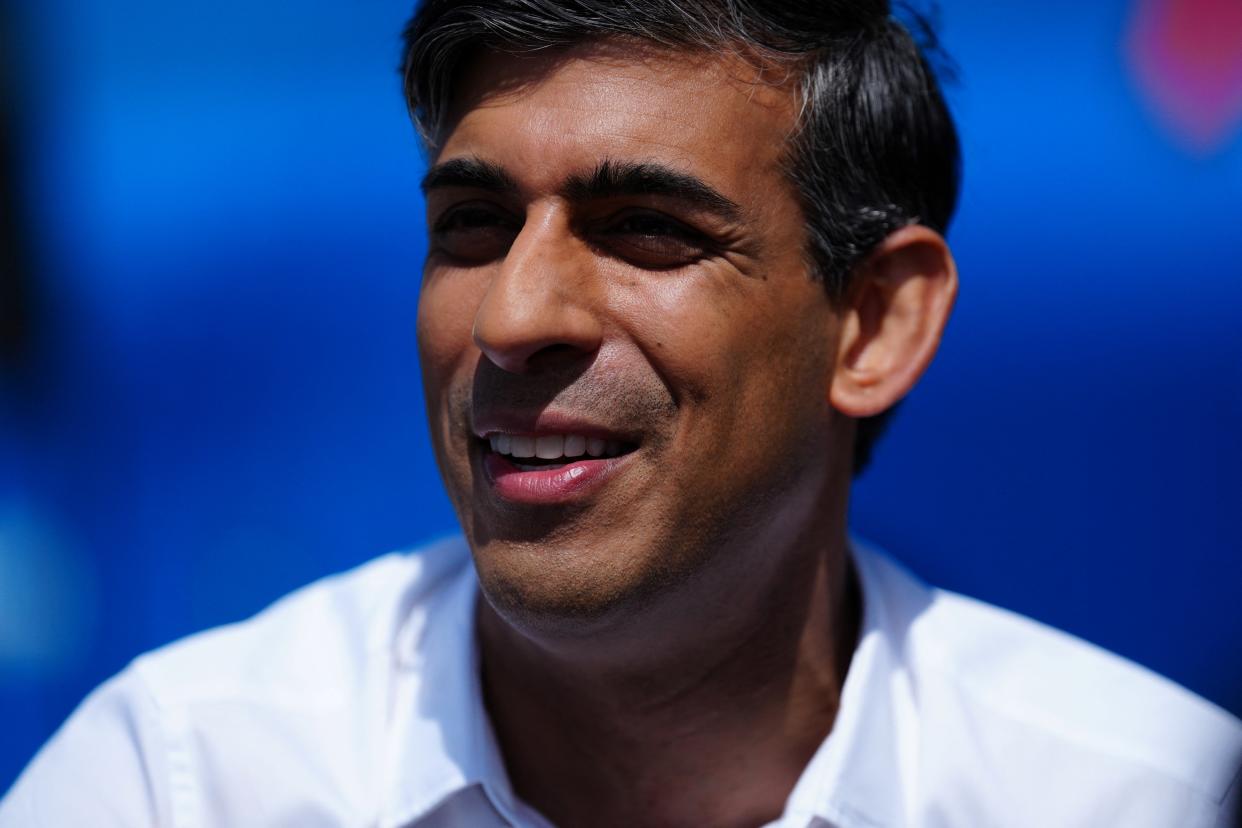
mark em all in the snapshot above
pixel 875 149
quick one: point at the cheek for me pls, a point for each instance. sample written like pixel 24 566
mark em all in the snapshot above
pixel 710 336
pixel 446 313
pixel 749 362
pixel 687 325
pixel 447 306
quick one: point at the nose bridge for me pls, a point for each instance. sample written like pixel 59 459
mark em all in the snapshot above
pixel 538 305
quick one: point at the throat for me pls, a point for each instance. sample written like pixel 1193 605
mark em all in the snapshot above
pixel 664 746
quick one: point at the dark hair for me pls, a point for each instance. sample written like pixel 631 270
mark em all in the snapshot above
pixel 875 148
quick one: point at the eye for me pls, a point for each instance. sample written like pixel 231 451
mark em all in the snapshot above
pixel 652 240
pixel 475 233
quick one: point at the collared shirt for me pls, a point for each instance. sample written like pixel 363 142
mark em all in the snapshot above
pixel 356 702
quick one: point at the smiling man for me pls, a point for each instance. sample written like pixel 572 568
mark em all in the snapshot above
pixel 683 258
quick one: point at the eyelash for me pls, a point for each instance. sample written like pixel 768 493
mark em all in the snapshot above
pixel 652 240
pixel 452 219
pixel 647 239
pixel 671 227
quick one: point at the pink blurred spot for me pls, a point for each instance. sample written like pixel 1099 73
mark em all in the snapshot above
pixel 1187 58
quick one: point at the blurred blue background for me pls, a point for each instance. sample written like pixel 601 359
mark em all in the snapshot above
pixel 209 392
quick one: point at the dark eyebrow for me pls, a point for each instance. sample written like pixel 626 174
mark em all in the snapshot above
pixel 623 178
pixel 469 172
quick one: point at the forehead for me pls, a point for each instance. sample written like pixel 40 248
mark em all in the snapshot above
pixel 714 116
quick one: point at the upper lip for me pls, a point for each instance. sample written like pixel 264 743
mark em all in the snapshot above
pixel 535 423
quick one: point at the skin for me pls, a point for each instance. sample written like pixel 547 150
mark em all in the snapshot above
pixel 669 649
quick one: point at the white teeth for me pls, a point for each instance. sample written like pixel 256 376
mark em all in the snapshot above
pixel 549 447
pixel 553 446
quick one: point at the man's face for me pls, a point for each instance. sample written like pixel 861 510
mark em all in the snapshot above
pixel 616 279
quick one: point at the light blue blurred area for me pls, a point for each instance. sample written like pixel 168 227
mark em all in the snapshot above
pixel 48 597
pixel 222 401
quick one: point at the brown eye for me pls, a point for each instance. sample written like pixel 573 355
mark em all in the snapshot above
pixel 652 240
pixel 474 234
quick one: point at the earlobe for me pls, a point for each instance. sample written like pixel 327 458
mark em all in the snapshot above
pixel 892 321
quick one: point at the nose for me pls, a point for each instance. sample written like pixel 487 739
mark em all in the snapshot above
pixel 537 313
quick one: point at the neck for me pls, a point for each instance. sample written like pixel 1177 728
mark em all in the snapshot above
pixel 712 722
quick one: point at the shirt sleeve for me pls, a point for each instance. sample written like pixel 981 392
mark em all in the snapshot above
pixel 105 767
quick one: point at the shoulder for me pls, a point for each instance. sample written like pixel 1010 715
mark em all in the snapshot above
pixel 300 649
pixel 284 714
pixel 1037 705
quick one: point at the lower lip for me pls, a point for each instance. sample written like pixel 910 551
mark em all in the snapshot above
pixel 564 484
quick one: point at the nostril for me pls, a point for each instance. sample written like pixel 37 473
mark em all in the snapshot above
pixel 556 356
pixel 560 350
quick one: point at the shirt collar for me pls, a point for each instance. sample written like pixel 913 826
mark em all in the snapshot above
pixel 441 740
pixel 855 776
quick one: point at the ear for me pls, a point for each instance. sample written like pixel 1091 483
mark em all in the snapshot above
pixel 892 321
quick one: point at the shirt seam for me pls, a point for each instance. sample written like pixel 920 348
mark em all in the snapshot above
pixel 1066 735
pixel 182 792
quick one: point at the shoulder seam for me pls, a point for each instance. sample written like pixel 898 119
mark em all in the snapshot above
pixel 1062 733
pixel 179 786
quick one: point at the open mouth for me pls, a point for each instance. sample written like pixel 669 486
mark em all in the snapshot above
pixel 547 452
pixel 550 466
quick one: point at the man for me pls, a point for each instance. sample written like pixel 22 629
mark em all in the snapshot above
pixel 682 256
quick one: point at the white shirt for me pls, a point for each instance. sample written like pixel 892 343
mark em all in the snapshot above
pixel 356 702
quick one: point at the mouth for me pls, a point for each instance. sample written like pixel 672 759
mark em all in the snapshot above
pixel 551 468
pixel 548 451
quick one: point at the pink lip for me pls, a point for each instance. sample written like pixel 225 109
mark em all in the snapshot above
pixel 567 483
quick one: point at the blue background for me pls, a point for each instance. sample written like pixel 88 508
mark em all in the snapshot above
pixel 220 399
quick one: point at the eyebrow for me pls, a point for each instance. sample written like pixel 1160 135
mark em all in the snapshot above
pixel 609 179
pixel 469 172
pixel 625 178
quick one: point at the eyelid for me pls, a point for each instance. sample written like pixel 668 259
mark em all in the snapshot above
pixel 440 222
pixel 675 244
pixel 679 226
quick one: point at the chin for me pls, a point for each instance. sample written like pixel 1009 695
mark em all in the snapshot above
pixel 566 590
